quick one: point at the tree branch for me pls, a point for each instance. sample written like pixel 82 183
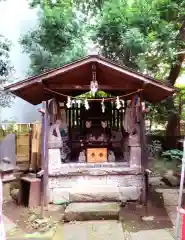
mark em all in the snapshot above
pixel 175 69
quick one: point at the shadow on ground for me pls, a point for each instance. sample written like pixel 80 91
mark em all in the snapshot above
pixel 131 215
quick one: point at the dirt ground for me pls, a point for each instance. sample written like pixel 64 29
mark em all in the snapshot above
pixel 131 215
pixel 29 219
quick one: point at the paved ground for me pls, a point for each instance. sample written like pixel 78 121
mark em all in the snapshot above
pixel 91 230
pixel 107 230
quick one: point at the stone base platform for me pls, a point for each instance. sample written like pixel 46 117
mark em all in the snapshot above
pixel 94 184
pixel 92 211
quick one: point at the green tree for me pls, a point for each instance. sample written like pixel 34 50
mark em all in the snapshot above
pixel 142 34
pixel 58 38
pixel 5 69
pixel 146 35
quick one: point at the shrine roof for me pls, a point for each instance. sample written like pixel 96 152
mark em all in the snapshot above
pixel 74 79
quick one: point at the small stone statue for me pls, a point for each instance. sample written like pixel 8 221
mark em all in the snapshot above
pixel 82 158
pixel 111 157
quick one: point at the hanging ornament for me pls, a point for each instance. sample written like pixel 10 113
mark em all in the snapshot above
pixel 143 106
pixel 94 87
pixel 123 104
pixel 68 102
pixel 78 103
pixel 135 98
pixel 139 101
pixel 104 124
pixel 103 105
pixel 118 104
pixel 88 124
pixel 86 104
pixel 73 102
pixel 94 83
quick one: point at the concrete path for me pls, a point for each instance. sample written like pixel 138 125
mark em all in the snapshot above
pixel 105 230
pixel 9 225
pixel 170 197
pixel 91 230
pixel 152 235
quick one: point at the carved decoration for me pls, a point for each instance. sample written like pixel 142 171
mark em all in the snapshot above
pixel 96 155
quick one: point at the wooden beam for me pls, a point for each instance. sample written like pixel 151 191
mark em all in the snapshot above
pixel 82 63
pixel 46 156
pixel 42 160
pixel 44 165
pixel 144 155
pixel 68 87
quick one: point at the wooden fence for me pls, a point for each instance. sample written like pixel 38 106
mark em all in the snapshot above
pixel 23 147
pixel 28 142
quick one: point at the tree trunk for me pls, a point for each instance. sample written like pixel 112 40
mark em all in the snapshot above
pixel 173 130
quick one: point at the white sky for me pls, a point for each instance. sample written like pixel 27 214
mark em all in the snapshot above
pixel 15 20
pixel 181 80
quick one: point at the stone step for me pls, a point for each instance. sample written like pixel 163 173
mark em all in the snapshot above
pixel 92 211
pixel 94 193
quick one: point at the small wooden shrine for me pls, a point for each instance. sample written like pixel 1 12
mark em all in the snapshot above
pixel 94 109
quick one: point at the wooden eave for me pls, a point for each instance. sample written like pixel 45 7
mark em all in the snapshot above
pixel 73 79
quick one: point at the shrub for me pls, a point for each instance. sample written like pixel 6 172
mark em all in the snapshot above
pixel 174 154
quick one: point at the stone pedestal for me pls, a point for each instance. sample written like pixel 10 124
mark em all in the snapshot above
pixel 135 150
pixel 30 192
pixel 135 156
pixel 7 172
pixel 85 184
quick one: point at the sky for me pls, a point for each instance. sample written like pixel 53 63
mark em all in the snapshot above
pixel 16 19
pixel 181 80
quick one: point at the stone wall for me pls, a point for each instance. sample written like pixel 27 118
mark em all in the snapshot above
pixel 91 188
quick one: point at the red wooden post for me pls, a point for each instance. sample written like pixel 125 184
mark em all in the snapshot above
pixel 181 211
pixel 46 122
pixel 2 229
pixel 44 182
pixel 144 157
pixel 183 226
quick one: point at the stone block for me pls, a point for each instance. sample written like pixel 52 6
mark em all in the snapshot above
pixel 50 195
pixel 60 195
pixel 93 180
pixel 135 156
pixel 94 193
pixel 129 193
pixel 72 181
pixel 104 193
pixel 62 181
pixel 83 181
pixel 171 180
pixel 54 160
pixel 34 192
pixel 92 211
pixel 124 181
pixel 134 141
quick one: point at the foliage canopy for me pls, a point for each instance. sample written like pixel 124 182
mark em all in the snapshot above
pixel 142 34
